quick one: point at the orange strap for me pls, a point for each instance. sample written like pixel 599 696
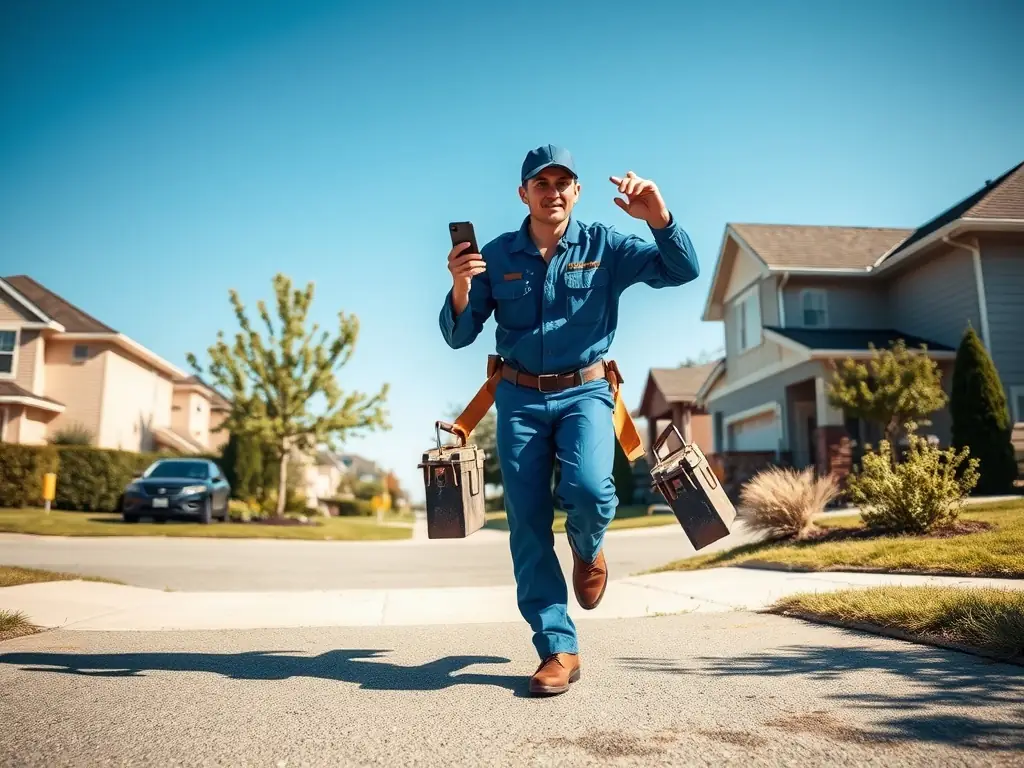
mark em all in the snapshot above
pixel 625 428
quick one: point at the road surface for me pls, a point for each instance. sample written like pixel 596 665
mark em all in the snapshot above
pixel 702 689
pixel 201 565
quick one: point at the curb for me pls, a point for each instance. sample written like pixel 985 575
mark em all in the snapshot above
pixel 896 634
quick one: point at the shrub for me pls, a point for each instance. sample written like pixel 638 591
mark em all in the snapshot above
pixel 244 511
pixel 351 507
pixel 21 473
pixel 783 502
pixel 73 434
pixel 924 491
pixel 981 419
pixel 93 479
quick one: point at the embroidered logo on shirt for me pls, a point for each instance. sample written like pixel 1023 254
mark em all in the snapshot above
pixel 583 265
pixel 513 275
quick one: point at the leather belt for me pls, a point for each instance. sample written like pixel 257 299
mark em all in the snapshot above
pixel 554 382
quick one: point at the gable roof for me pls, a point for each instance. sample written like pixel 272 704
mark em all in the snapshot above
pixel 782 246
pixel 57 308
pixel 11 392
pixel 854 339
pixel 680 385
pixel 999 199
pixel 217 401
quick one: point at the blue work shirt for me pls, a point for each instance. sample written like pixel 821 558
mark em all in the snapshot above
pixel 562 315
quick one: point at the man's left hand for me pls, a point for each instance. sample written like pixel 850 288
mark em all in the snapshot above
pixel 643 200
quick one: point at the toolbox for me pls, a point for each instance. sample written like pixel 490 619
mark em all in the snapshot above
pixel 453 478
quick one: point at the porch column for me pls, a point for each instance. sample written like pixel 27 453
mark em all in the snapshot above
pixel 652 435
pixel 827 416
pixel 687 429
pixel 831 440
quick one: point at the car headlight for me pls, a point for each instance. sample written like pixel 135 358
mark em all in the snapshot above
pixel 133 488
pixel 188 490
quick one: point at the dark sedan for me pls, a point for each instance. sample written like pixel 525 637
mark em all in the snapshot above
pixel 191 489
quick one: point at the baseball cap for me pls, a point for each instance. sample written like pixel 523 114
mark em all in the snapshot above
pixel 544 157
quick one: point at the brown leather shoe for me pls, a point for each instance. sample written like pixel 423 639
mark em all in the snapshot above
pixel 555 674
pixel 589 580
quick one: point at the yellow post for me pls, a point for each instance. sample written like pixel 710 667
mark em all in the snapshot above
pixel 49 489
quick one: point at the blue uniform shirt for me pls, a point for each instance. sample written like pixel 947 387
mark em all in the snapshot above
pixel 561 316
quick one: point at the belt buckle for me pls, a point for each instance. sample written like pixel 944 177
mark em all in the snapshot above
pixel 542 377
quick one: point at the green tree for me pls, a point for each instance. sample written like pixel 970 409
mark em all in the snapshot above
pixel 284 390
pixel 981 417
pixel 896 389
pixel 242 458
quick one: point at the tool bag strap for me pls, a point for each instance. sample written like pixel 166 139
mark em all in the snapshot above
pixel 625 428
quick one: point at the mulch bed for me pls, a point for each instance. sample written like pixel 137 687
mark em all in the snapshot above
pixel 959 528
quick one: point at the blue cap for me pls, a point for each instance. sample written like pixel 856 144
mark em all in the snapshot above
pixel 544 157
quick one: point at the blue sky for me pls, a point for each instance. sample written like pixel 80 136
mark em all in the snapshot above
pixel 154 155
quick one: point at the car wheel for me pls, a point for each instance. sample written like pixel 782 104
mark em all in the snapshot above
pixel 130 518
pixel 206 516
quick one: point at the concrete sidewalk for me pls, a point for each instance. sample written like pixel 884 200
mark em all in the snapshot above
pixel 80 605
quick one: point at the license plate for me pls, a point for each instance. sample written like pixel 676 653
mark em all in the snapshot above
pixel 159 503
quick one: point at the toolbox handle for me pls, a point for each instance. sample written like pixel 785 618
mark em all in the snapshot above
pixel 663 438
pixel 451 429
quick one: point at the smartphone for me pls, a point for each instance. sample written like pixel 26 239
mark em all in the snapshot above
pixel 462 232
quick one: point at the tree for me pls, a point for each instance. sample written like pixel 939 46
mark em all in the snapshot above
pixel 981 418
pixel 242 458
pixel 896 389
pixel 284 390
pixel 703 358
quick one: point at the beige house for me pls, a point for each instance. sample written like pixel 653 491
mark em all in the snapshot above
pixel 794 299
pixel 61 368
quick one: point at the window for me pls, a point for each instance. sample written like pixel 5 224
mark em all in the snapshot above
pixel 8 349
pixel 80 353
pixel 813 308
pixel 747 320
pixel 1017 404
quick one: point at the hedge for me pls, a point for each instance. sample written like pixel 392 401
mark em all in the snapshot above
pixel 88 479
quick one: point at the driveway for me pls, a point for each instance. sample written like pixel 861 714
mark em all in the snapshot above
pixel 731 688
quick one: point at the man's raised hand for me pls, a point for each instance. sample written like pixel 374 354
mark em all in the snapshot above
pixel 463 267
pixel 643 200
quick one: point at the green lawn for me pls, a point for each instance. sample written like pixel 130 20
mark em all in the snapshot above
pixel 995 553
pixel 60 523
pixel 625 517
pixel 13 576
pixel 990 620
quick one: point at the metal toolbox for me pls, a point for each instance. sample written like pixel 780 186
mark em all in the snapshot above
pixel 453 477
pixel 686 481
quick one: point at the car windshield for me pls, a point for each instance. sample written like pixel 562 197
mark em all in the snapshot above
pixel 194 470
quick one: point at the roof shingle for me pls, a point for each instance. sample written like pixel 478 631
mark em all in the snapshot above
pixel 64 312
pixel 680 385
pixel 854 339
pixel 10 389
pixel 797 246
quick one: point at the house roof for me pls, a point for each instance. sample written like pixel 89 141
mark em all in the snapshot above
pixel 8 389
pixel 175 439
pixel 1002 198
pixel 63 311
pixel 857 339
pixel 782 246
pixel 217 400
pixel 680 385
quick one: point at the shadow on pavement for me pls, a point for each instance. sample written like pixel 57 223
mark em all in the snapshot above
pixel 348 666
pixel 936 707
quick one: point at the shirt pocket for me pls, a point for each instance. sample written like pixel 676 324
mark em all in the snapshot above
pixel 516 304
pixel 586 295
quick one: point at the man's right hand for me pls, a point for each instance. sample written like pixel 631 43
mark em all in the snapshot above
pixel 464 267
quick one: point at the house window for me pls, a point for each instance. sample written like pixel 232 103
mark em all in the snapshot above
pixel 8 349
pixel 1017 404
pixel 747 321
pixel 814 308
pixel 80 353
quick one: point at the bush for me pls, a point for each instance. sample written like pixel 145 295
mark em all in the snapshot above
pixel 926 490
pixel 73 434
pixel 351 507
pixel 981 418
pixel 21 473
pixel 783 502
pixel 93 479
pixel 244 511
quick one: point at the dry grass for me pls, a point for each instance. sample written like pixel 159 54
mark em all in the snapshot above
pixel 998 552
pixel 13 576
pixel 14 625
pixel 783 502
pixel 987 619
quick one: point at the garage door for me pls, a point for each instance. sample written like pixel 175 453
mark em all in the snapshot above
pixel 758 433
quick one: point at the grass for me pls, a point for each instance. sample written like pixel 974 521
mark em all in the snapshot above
pixel 995 553
pixel 15 624
pixel 61 523
pixel 625 517
pixel 986 619
pixel 13 576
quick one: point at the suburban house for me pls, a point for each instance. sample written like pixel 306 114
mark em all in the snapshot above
pixel 795 299
pixel 61 368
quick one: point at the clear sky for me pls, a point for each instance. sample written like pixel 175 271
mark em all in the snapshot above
pixel 154 155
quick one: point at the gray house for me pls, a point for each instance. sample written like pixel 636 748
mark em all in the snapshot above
pixel 794 299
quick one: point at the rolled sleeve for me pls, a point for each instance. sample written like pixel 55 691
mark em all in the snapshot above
pixel 670 260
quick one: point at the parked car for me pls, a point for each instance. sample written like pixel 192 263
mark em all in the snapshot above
pixel 191 489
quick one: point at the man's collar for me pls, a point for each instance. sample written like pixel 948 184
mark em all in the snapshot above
pixel 523 243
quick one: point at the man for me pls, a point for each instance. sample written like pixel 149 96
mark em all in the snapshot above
pixel 554 287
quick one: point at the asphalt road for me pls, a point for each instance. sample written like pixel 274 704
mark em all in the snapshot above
pixel 699 689
pixel 202 565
